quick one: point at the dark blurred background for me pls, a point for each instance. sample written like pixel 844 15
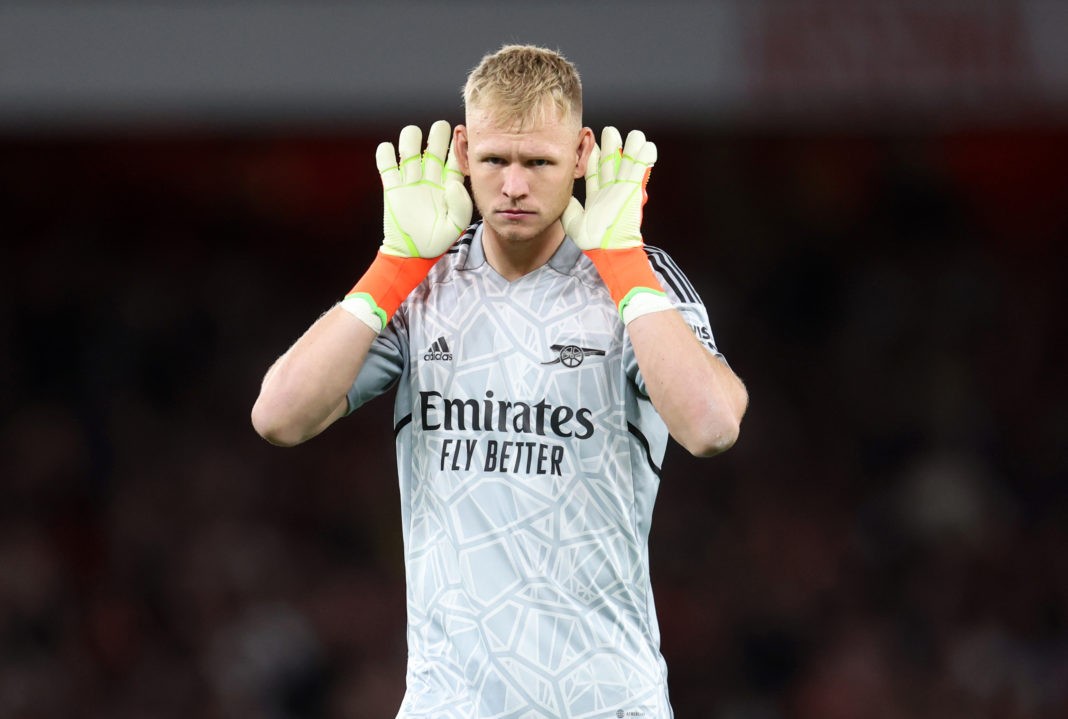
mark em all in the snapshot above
pixel 871 198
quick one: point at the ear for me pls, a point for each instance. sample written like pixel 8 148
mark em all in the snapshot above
pixel 459 146
pixel 585 147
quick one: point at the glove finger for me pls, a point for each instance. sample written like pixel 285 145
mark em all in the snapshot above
pixel 629 168
pixel 437 145
pixel 647 156
pixel 611 151
pixel 593 173
pixel 635 140
pixel 611 141
pixel 639 158
pixel 645 160
pixel 411 139
pixel 386 159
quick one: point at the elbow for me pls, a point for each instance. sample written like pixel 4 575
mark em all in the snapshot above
pixel 716 425
pixel 712 443
pixel 712 436
pixel 272 428
pixel 709 423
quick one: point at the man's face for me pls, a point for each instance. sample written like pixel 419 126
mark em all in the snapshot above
pixel 522 180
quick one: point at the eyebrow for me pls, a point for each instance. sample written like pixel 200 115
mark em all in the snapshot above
pixel 538 152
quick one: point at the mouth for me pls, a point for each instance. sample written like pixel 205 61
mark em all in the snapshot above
pixel 514 214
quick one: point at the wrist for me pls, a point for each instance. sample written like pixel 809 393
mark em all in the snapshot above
pixel 364 308
pixel 384 286
pixel 642 301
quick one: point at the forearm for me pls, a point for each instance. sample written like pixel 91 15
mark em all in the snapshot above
pixel 426 207
pixel 305 390
pixel 699 397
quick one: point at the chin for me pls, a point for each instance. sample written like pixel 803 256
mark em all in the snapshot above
pixel 511 233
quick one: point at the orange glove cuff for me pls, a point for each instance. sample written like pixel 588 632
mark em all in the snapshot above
pixel 389 280
pixel 623 271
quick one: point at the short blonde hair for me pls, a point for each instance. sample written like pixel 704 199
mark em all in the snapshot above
pixel 514 83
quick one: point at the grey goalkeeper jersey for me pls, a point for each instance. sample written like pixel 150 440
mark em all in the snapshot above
pixel 528 454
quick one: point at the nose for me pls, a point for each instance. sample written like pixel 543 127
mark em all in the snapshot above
pixel 515 182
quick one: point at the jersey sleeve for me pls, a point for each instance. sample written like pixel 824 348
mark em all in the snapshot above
pixel 684 297
pixel 384 364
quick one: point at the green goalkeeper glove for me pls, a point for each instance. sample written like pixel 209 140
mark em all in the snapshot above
pixel 425 204
pixel 425 208
pixel 608 229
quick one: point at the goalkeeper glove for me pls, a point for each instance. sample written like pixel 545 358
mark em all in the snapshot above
pixel 608 229
pixel 425 208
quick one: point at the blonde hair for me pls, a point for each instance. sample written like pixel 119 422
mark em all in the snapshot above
pixel 514 83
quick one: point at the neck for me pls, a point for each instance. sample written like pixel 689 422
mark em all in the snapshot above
pixel 513 258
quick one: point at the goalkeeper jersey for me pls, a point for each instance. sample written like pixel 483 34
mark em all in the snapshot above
pixel 528 456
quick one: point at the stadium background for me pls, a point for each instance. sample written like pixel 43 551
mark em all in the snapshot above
pixel 871 198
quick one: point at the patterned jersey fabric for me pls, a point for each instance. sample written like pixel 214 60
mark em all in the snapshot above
pixel 528 456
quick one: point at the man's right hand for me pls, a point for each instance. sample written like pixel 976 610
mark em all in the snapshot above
pixel 426 206
pixel 425 209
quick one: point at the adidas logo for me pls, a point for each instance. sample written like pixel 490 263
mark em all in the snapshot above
pixel 438 351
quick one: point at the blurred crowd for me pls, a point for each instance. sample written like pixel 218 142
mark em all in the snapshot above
pixel 886 541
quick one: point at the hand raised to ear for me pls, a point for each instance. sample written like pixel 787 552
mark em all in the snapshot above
pixel 616 178
pixel 425 204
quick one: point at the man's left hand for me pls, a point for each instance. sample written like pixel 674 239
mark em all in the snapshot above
pixel 616 178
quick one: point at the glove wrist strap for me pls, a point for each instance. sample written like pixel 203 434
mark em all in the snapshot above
pixel 384 286
pixel 631 281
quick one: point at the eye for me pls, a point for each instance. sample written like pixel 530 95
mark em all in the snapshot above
pixel 494 160
pixel 539 163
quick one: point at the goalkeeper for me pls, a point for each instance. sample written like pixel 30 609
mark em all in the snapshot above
pixel 540 359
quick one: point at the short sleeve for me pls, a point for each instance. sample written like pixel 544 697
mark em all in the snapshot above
pixel 684 297
pixel 384 364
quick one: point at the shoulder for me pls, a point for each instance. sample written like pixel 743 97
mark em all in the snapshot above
pixel 456 257
pixel 463 242
pixel 671 275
